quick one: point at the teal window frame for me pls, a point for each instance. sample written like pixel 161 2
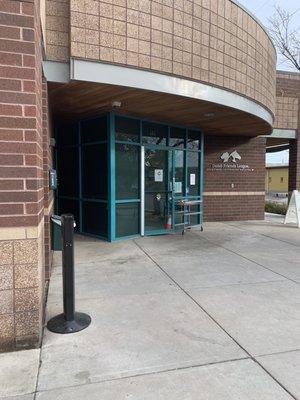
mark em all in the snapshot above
pixel 80 198
pixel 140 143
pixel 111 142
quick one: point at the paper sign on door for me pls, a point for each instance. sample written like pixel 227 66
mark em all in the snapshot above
pixel 158 175
pixel 192 179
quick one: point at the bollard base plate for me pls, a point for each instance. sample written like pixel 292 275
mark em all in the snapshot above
pixel 59 324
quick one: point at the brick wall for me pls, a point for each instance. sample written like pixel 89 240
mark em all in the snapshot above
pixel 234 208
pixel 288 87
pixel 47 165
pixel 21 175
pixel 234 192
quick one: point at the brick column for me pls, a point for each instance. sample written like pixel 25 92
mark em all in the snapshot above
pixel 48 194
pixel 294 165
pixel 21 175
pixel 234 194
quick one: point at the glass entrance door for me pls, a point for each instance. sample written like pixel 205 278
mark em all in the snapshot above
pixel 158 185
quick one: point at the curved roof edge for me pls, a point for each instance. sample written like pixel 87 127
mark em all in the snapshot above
pixel 236 2
pixel 112 74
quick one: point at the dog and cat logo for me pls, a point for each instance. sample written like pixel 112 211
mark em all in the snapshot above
pixel 231 162
pixel 234 156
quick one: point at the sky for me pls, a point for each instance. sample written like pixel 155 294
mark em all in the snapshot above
pixel 263 10
pixel 281 157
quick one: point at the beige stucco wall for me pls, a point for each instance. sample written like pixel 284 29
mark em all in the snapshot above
pixel 214 41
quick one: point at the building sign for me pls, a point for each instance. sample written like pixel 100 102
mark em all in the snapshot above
pixel 231 162
pixel 293 212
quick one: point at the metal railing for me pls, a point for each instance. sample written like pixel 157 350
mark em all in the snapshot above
pixel 183 213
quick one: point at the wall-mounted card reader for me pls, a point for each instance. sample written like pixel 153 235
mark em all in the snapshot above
pixel 52 179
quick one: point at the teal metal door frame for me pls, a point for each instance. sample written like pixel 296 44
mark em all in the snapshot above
pixel 169 192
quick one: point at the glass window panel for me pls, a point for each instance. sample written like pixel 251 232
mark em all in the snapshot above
pixel 179 172
pixel 94 171
pixel 192 159
pixel 66 134
pixel 177 138
pixel 193 142
pixel 68 170
pixel 156 170
pixel 155 133
pixel 95 219
pixel 127 219
pixel 127 171
pixel 157 211
pixel 127 129
pixel 93 130
pixel 68 206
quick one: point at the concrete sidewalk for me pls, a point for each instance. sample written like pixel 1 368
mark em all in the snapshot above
pixel 207 316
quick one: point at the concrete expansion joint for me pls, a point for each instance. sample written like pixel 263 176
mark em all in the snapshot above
pixel 274 378
pixel 255 262
pixel 249 355
pixel 263 234
pixel 138 375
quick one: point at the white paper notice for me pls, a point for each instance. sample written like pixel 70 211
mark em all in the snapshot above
pixel 192 179
pixel 158 175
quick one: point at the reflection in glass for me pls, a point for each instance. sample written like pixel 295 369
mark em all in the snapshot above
pixel 179 172
pixel 127 171
pixel 157 211
pixel 177 138
pixel 192 159
pixel 127 129
pixel 157 207
pixel 193 141
pixel 154 133
pixel 127 219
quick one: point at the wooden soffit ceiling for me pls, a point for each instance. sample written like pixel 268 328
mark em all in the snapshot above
pixel 76 100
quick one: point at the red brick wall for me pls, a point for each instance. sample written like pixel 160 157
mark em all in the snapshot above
pixel 47 165
pixel 233 208
pixel 229 193
pixel 21 175
pixel 21 161
pixel 290 87
pixel 294 164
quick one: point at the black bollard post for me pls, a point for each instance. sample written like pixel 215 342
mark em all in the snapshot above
pixel 69 321
pixel 68 266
